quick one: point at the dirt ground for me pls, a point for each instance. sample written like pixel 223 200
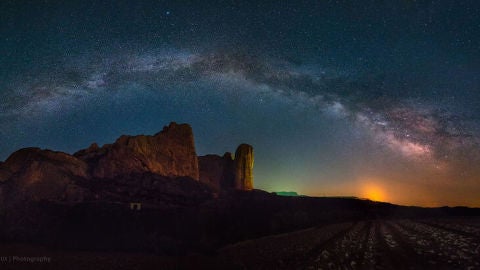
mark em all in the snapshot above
pixel 450 243
pixel 375 244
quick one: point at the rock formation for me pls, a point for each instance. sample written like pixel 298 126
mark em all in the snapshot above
pixel 170 153
pixel 227 173
pixel 216 171
pixel 35 174
pixel 244 167
pixel 131 167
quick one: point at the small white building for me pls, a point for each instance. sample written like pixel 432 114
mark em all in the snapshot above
pixel 135 206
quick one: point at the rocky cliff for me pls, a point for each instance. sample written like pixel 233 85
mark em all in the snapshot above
pixel 170 153
pixel 217 171
pixel 32 174
pixel 227 173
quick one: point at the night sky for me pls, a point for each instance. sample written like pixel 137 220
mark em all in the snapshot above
pixel 377 99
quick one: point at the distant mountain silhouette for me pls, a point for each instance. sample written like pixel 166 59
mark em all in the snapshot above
pixel 286 193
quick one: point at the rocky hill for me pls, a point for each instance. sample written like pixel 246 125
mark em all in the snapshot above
pixel 134 167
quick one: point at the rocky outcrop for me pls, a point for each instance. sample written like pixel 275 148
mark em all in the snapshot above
pixel 90 153
pixel 244 167
pixel 169 153
pixel 32 174
pixel 227 173
pixel 35 174
pixel 217 171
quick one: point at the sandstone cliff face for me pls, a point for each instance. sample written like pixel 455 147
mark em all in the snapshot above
pixel 32 174
pixel 36 174
pixel 227 173
pixel 170 153
pixel 217 171
pixel 244 167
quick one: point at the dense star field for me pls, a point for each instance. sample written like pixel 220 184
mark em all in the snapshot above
pixel 338 98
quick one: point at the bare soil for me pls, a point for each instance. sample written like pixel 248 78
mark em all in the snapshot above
pixel 436 243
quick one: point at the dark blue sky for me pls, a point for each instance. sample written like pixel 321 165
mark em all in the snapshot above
pixel 337 97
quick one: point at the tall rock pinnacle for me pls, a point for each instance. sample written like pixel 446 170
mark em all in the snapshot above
pixel 244 167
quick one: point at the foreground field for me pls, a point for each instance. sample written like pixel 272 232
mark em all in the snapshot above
pixel 376 244
pixel 446 243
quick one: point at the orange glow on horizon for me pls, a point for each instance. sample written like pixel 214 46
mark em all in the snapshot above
pixel 374 193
